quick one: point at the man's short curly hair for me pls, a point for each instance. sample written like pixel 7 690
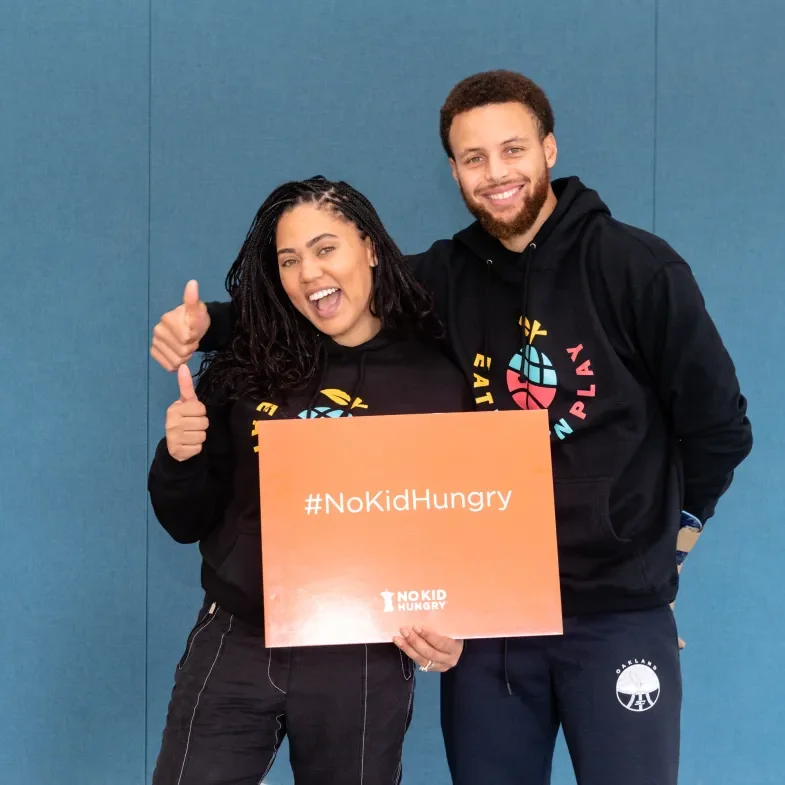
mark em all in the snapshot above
pixel 495 87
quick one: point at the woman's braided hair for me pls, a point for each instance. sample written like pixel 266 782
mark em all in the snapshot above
pixel 273 346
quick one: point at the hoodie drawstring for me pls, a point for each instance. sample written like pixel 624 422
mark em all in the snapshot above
pixel 485 307
pixel 525 307
pixel 506 672
pixel 355 394
pixel 322 356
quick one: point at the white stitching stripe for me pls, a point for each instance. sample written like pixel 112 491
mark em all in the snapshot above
pixel 269 664
pixel 399 773
pixel 365 714
pixel 195 636
pixel 199 697
pixel 403 666
pixel 276 744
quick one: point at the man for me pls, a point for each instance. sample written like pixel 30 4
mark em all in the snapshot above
pixel 551 303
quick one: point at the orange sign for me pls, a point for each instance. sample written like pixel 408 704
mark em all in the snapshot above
pixel 370 524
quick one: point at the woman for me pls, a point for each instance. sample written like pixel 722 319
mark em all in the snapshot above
pixel 330 321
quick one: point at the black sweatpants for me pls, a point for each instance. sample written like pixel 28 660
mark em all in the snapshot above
pixel 612 682
pixel 344 709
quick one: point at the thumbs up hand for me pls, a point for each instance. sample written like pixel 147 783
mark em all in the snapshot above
pixel 176 337
pixel 186 420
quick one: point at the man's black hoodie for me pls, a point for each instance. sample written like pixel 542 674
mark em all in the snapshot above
pixel 646 414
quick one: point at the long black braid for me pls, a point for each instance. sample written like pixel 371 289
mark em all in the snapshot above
pixel 274 347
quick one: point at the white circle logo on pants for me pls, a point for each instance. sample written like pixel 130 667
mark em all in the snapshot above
pixel 638 687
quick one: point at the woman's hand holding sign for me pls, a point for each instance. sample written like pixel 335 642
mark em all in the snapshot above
pixel 432 652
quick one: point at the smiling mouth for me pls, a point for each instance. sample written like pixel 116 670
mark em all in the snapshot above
pixel 326 301
pixel 504 197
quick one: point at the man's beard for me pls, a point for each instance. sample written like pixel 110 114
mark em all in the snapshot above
pixel 522 222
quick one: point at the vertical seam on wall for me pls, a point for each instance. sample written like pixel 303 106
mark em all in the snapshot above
pixel 147 361
pixel 654 129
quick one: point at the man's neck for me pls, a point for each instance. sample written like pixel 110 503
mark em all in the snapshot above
pixel 521 242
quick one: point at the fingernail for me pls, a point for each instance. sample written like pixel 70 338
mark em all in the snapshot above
pixel 398 642
pixel 418 630
pixel 405 633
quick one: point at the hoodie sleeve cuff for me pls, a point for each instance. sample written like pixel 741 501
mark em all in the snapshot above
pixel 219 333
pixel 168 468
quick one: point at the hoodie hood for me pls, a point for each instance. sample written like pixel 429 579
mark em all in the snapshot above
pixel 332 352
pixel 575 205
pixel 383 340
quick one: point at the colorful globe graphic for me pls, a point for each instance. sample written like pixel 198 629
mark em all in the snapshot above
pixel 531 379
pixel 322 411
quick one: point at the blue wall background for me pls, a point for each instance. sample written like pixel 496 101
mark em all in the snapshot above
pixel 137 139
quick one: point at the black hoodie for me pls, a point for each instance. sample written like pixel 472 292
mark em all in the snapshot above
pixel 646 414
pixel 213 498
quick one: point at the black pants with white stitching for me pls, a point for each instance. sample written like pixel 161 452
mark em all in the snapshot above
pixel 344 709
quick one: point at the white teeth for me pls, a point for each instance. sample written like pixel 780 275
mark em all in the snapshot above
pixel 505 195
pixel 321 293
